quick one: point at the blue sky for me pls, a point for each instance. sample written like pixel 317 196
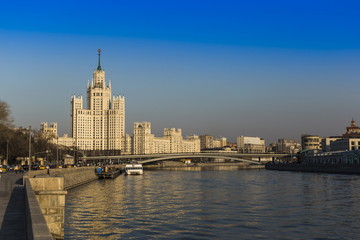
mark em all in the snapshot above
pixel 273 69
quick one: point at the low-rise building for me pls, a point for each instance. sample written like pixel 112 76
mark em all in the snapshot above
pixel 326 143
pixel 250 144
pixel 310 142
pixel 345 144
pixel 288 146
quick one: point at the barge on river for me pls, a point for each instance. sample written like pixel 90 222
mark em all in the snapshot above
pixel 346 162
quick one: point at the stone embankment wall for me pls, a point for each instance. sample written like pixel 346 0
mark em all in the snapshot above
pixel 37 227
pixel 72 176
pixel 46 191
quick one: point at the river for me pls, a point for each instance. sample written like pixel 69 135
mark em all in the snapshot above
pixel 216 204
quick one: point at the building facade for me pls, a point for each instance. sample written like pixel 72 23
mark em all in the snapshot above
pixel 288 146
pixel 101 125
pixel 345 144
pixel 250 144
pixel 49 131
pixel 144 142
pixel 352 131
pixel 310 142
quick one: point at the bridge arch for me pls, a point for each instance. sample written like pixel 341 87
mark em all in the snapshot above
pixel 200 156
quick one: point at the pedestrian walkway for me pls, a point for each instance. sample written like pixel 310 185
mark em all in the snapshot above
pixel 12 207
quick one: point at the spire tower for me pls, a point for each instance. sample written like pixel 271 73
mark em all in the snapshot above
pixel 99 67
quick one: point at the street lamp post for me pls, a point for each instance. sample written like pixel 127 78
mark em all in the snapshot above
pixel 7 152
pixel 29 149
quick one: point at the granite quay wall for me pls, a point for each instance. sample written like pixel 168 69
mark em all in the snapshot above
pixel 46 191
pixel 37 227
pixel 72 176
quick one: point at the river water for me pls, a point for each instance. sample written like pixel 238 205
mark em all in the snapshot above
pixel 216 204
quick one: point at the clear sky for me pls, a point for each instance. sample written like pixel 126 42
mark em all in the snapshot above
pixel 273 69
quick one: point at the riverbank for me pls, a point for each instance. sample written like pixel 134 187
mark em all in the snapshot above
pixel 326 168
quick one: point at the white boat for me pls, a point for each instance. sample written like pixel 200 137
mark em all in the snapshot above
pixel 134 169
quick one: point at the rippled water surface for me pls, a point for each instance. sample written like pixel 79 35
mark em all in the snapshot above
pixel 235 204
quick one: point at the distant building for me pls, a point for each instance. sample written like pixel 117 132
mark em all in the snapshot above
pixel 250 144
pixel 345 144
pixel 288 146
pixel 352 131
pixel 272 148
pixel 65 140
pixel 310 142
pixel 326 143
pixel 210 142
pixel 144 142
pixel 206 141
pixel 49 131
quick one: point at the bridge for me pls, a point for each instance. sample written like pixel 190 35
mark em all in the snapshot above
pixel 251 158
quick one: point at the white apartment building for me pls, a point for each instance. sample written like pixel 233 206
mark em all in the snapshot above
pixel 144 142
pixel 250 144
pixel 101 125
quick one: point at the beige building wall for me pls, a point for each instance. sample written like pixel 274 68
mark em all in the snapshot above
pixel 223 141
pixel 176 140
pixel 101 126
pixel 250 144
pixel 65 140
pixel 162 145
pixel 206 141
pixel 191 144
pixel 144 142
pixel 48 130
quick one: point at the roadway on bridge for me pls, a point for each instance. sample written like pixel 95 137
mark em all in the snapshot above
pixel 12 207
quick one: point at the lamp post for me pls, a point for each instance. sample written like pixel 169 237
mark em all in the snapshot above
pixel 29 149
pixel 7 152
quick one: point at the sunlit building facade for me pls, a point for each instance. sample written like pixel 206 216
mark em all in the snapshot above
pixel 101 125
pixel 144 142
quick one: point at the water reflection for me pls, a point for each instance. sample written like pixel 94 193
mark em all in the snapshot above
pixel 246 204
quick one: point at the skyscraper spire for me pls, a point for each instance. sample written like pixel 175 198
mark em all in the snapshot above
pixel 99 67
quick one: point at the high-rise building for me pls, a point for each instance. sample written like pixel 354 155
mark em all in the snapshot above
pixel 101 125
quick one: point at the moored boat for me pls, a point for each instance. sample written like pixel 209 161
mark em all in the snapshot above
pixel 134 169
